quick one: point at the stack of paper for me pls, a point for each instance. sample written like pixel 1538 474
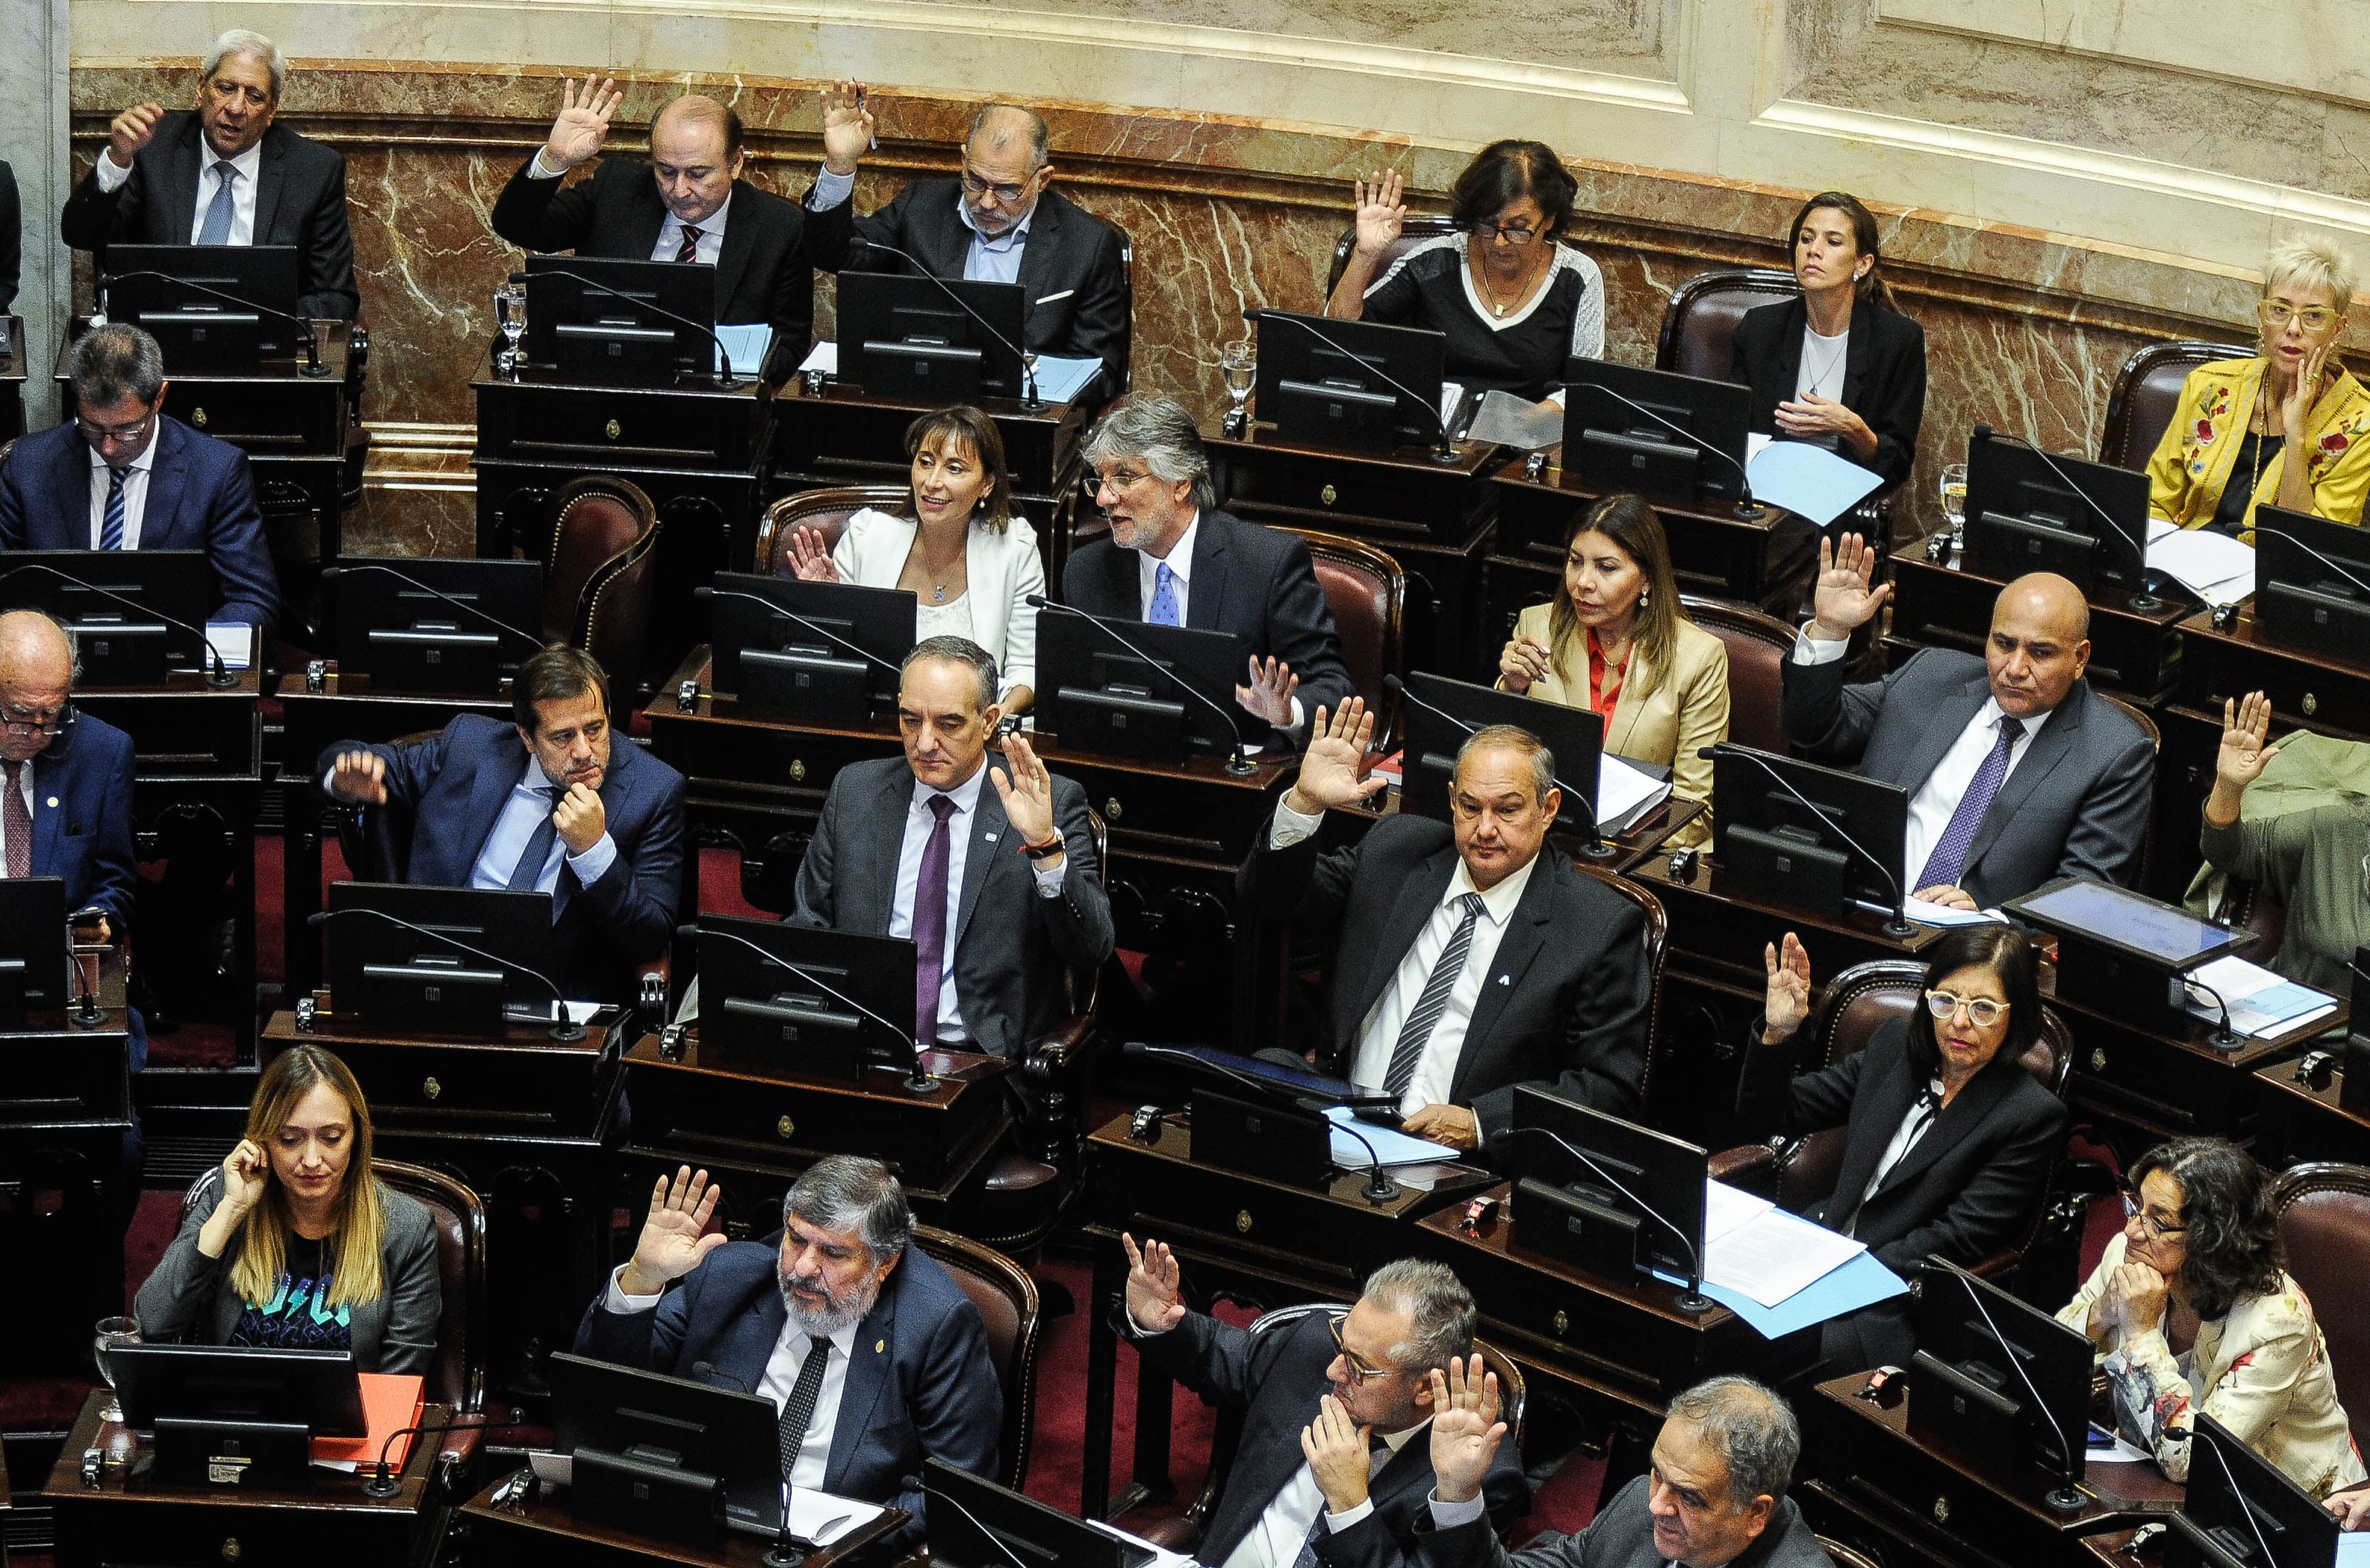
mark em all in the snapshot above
pixel 747 342
pixel 1928 914
pixel 1060 379
pixel 2260 1002
pixel 1390 1146
pixel 1781 1273
pixel 1507 420
pixel 1625 793
pixel 2215 567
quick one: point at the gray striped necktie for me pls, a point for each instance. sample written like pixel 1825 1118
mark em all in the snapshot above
pixel 1417 1031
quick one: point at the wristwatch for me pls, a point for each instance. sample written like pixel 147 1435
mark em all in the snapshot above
pixel 1044 851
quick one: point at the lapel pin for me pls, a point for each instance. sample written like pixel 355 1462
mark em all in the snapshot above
pixel 879 1347
pixel 1505 979
pixel 989 837
pixel 53 802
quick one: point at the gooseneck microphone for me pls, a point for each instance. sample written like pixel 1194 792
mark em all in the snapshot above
pixel 2067 1496
pixel 1379 1187
pixel 332 574
pixel 920 1082
pixel 312 365
pixel 1030 402
pixel 1692 1299
pixel 1597 848
pixel 710 591
pixel 1900 925
pixel 219 678
pixel 1238 766
pixel 1443 451
pixel 723 377
pixel 565 1032
pixel 1746 510
pixel 2143 602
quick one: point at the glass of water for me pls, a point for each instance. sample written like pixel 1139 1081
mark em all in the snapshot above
pixel 1954 503
pixel 510 315
pixel 112 1331
pixel 1240 368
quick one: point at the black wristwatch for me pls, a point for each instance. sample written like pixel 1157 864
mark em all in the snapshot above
pixel 1044 851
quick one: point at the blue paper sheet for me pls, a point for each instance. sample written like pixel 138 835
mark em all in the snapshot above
pixel 1808 481
pixel 1860 1282
pixel 1059 380
pixel 1391 1147
pixel 747 343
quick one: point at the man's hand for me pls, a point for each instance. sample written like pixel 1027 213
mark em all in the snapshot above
pixel 93 931
pixel 131 131
pixel 1335 1447
pixel 583 123
pixel 1028 794
pixel 673 1239
pixel 1787 1001
pixel 1455 1125
pixel 1332 771
pixel 1946 895
pixel 1464 1428
pixel 1269 695
pixel 811 558
pixel 1155 1294
pixel 1525 660
pixel 1842 601
pixel 581 818
pixel 1380 213
pixel 2135 1297
pixel 359 779
pixel 2351 1506
pixel 846 127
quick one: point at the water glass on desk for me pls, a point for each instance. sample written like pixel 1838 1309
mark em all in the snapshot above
pixel 510 315
pixel 1954 488
pixel 112 1331
pixel 1240 368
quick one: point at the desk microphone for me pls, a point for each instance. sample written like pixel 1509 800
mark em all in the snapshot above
pixel 2065 1497
pixel 2224 1037
pixel 385 1484
pixel 1596 849
pixel 1030 402
pixel 565 1032
pixel 312 365
pixel 1692 1299
pixel 1746 510
pixel 724 377
pixel 332 574
pixel 1379 1187
pixel 920 1082
pixel 709 591
pixel 85 1013
pixel 219 678
pixel 2142 602
pixel 1443 451
pixel 1238 766
pixel 2336 566
pixel 1900 925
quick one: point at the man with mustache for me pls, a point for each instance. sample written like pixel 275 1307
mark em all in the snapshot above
pixel 873 1354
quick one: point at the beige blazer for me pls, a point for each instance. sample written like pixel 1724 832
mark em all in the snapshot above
pixel 1665 720
pixel 1001 572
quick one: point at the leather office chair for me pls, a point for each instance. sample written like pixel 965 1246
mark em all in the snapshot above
pixel 1007 1299
pixel 1845 1556
pixel 2139 716
pixel 1366 589
pixel 1700 321
pixel 825 510
pixel 2249 906
pixel 1758 647
pixel 377 840
pixel 599 578
pixel 2324 1212
pixel 1658 939
pixel 1418 227
pixel 1127 286
pixel 2147 392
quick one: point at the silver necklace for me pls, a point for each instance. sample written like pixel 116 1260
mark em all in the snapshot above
pixel 1819 372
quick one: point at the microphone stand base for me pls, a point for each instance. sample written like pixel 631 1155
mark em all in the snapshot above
pixel 2064 1499
pixel 2146 604
pixel 1899 928
pixel 85 1014
pixel 221 680
pixel 921 1085
pixel 1748 511
pixel 313 368
pixel 1380 1190
pixel 1693 1302
pixel 383 1487
pixel 1240 766
pixel 1445 455
pixel 782 1554
pixel 566 1032
pixel 1599 848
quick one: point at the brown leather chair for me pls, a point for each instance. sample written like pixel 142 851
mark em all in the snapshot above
pixel 1367 591
pixel 825 510
pixel 1418 227
pixel 2139 716
pixel 597 520
pixel 2324 1212
pixel 1007 1299
pixel 2146 390
pixel 1658 940
pixel 1699 322
pixel 2249 906
pixel 1758 646
pixel 1844 1555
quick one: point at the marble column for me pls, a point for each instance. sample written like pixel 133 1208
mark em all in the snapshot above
pixel 33 52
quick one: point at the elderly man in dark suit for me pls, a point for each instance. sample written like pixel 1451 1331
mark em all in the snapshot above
pixel 1466 958
pixel 124 475
pixel 873 1355
pixel 2017 772
pixel 224 174
pixel 1174 558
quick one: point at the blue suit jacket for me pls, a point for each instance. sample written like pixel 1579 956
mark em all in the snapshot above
pixel 82 829
pixel 200 497
pixel 456 786
pixel 920 1384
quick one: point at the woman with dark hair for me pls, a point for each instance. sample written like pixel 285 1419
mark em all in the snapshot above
pixel 1616 640
pixel 1948 1140
pixel 1841 365
pixel 969 559
pixel 2191 1311
pixel 1513 300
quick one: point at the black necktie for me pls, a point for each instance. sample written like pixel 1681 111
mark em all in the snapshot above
pixel 798 1411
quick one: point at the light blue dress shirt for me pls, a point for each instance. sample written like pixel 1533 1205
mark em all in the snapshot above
pixel 993 260
pixel 527 807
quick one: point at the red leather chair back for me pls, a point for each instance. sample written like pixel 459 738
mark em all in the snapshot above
pixel 1367 591
pixel 617 621
pixel 1007 1299
pixel 1699 322
pixel 825 510
pixel 596 520
pixel 2325 1230
pixel 1758 647
pixel 2146 391
pixel 1418 227
pixel 1658 940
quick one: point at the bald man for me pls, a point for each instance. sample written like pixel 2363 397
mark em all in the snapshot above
pixel 689 204
pixel 1001 220
pixel 2017 772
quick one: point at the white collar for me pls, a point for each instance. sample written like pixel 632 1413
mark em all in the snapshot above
pixel 1991 715
pixel 1395 1441
pixel 965 795
pixel 248 163
pixel 1499 902
pixel 711 224
pixel 843 1340
pixel 1181 554
pixel 145 463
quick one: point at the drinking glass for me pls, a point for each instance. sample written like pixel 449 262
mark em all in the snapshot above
pixel 510 315
pixel 1954 503
pixel 1240 368
pixel 113 1332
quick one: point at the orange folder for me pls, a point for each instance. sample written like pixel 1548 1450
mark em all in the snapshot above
pixel 390 1403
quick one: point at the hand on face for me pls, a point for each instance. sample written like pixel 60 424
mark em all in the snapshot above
pixel 245 1174
pixel 581 818
pixel 1336 1448
pixel 2135 1297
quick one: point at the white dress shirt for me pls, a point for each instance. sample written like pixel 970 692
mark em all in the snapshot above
pixel 527 809
pixel 1276 1539
pixel 919 822
pixel 135 493
pixel 1923 1111
pixel 711 235
pixel 1378 1034
pixel 1180 572
pixel 249 164
pixel 1931 803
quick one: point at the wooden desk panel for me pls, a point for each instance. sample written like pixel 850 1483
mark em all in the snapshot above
pixel 2308 691
pixel 542 1533
pixel 2298 1122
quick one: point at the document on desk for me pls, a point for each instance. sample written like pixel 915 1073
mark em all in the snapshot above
pixel 1391 1147
pixel 1507 420
pixel 1775 1256
pixel 234 641
pixel 1727 1208
pixel 824 356
pixel 2260 1001
pixel 1808 481
pixel 2215 567
pixel 2114 1450
pixel 2353 1550
pixel 1626 792
pixel 1060 379
pixel 823 1517
pixel 1929 913
pixel 747 342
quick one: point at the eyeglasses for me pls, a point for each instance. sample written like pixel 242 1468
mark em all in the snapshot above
pixel 2275 313
pixel 20 724
pixel 1120 481
pixel 1362 1371
pixel 1517 234
pixel 1005 195
pixel 131 431
pixel 1982 1011
pixel 2149 1225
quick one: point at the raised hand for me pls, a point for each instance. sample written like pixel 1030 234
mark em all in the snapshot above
pixel 1335 1446
pixel 1333 769
pixel 1156 1291
pixel 1787 1002
pixel 581 818
pixel 2246 724
pixel 811 557
pixel 359 778
pixel 846 127
pixel 1028 794
pixel 1269 695
pixel 674 1240
pixel 1523 660
pixel 584 121
pixel 1842 601
pixel 1465 1430
pixel 131 131
pixel 1381 214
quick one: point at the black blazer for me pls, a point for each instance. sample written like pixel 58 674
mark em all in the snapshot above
pixel 1564 1008
pixel 1884 374
pixel 765 271
pixel 1070 266
pixel 1960 1193
pixel 300 199
pixel 1257 583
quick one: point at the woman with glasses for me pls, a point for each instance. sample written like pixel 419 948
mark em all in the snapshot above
pixel 1948 1139
pixel 2234 440
pixel 1512 299
pixel 2191 1311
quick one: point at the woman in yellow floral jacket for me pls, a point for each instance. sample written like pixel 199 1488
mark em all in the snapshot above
pixel 2228 446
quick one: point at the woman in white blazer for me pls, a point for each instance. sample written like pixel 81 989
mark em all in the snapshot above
pixel 970 560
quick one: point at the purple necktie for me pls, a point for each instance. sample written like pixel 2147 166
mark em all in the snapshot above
pixel 930 924
pixel 1949 861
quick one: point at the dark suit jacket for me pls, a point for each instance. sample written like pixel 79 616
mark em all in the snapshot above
pixel 765 271
pixel 12 242
pixel 1621 1535
pixel 1011 945
pixel 2077 804
pixel 1275 1380
pixel 456 786
pixel 82 829
pixel 1069 253
pixel 200 497
pixel 1569 994
pixel 919 1385
pixel 300 199
pixel 1255 582
pixel 1884 374
pixel 1961 1192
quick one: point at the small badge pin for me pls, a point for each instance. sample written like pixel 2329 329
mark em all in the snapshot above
pixel 1505 979
pixel 879 1347
pixel 53 802
pixel 989 837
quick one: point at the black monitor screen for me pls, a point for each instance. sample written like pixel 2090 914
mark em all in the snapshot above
pixel 1807 836
pixel 823 653
pixel 903 335
pixel 1101 699
pixel 120 643
pixel 453 625
pixel 1617 435
pixel 2015 1385
pixel 34 977
pixel 652 294
pixel 319 1388
pixel 263 275
pixel 2161 933
pixel 826 1004
pixel 393 975
pixel 1657 1179
pixel 2242 1511
pixel 2312 585
pixel 974 1523
pixel 2027 513
pixel 731 1434
pixel 1329 382
pixel 1428 766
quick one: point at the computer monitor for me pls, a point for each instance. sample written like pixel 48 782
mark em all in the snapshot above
pixel 1613 446
pixel 1102 700
pixel 1805 836
pixel 315 1388
pixel 775 665
pixel 850 1010
pixel 391 976
pixel 119 645
pixel 2241 1511
pixel 974 1523
pixel 593 334
pixel 2003 1384
pixel 1428 765
pixel 2121 951
pixel 664 1455
pixel 35 975
pixel 200 333
pixel 2027 513
pixel 1324 382
pixel 2312 585
pixel 1607 1195
pixel 450 626
pixel 905 336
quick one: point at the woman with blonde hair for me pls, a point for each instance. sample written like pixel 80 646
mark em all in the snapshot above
pixel 298 1247
pixel 2235 434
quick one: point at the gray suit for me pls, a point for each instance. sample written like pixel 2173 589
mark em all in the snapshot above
pixel 2075 805
pixel 1621 1535
pixel 189 1297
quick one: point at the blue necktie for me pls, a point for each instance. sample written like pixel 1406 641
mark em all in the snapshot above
pixel 1949 860
pixel 110 527
pixel 1163 596
pixel 220 212
pixel 527 875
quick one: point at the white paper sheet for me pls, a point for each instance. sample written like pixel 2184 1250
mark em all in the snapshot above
pixel 1727 1207
pixel 234 641
pixel 824 356
pixel 1391 1146
pixel 2260 1001
pixel 2118 1452
pixel 1753 443
pixel 1932 914
pixel 2215 567
pixel 2353 1550
pixel 1777 1256
pixel 1625 793
pixel 747 342
pixel 1161 1556
pixel 823 1517
pixel 1060 379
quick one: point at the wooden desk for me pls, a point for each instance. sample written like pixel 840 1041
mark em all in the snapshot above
pixel 2113 1549
pixel 127 1517
pixel 542 1533
pixel 2297 1122
pixel 12 380
pixel 66 1106
pixel 2135 654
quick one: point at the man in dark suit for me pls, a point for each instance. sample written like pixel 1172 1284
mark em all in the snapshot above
pixel 1466 960
pixel 1174 558
pixel 2017 772
pixel 223 175
pixel 873 1354
pixel 549 804
pixel 689 204
pixel 1000 221
pixel 1334 1465
pixel 123 474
